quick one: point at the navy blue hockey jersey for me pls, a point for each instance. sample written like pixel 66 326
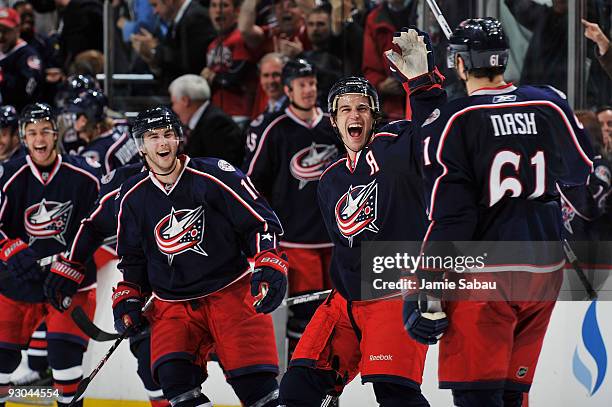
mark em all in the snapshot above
pixel 101 222
pixel 193 238
pixel 377 198
pixel 20 75
pixel 112 149
pixel 492 162
pixel 44 209
pixel 289 158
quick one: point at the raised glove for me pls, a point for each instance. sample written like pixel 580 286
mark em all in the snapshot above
pixel 424 325
pixel 20 259
pixel 127 308
pixel 415 66
pixel 63 281
pixel 269 281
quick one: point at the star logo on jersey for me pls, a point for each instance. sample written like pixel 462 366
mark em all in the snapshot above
pixel 356 211
pixel 48 220
pixel 308 163
pixel 180 231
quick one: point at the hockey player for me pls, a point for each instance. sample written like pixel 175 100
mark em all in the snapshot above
pixel 107 144
pixel 44 197
pixel 292 152
pixel 20 65
pixel 372 194
pixel 492 162
pixel 185 227
pixel 10 147
pixel 101 224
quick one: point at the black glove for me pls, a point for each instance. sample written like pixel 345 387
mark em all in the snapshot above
pixel 269 281
pixel 127 308
pixel 62 282
pixel 20 259
pixel 422 326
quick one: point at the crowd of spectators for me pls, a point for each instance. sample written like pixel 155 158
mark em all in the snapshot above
pixel 238 47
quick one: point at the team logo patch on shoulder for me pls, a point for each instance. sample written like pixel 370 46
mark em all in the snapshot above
pixel 92 158
pixel 180 231
pixel 356 211
pixel 602 172
pixel 108 177
pixel 432 117
pixel 521 372
pixel 33 62
pixel 257 121
pixel 308 164
pixel 225 166
pixel 48 220
pixel 504 98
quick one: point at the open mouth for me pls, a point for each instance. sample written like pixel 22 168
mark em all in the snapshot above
pixel 355 130
pixel 163 154
pixel 40 149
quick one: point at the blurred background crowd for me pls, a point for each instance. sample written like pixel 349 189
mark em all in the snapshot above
pixel 240 46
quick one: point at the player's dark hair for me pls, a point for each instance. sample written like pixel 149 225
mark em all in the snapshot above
pixel 603 109
pixel 489 73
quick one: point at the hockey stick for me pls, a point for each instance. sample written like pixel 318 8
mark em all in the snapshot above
pixel 300 299
pixel 83 384
pixel 94 332
pixel 89 328
pixel 573 259
pixel 440 18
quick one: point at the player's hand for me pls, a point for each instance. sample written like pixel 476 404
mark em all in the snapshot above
pixel 62 282
pixel 20 260
pixel 127 308
pixel 422 326
pixel 269 281
pixel 414 66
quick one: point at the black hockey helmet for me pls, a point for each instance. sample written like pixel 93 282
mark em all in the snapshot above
pixel 480 42
pixel 73 86
pixel 34 113
pixel 297 68
pixel 155 118
pixel 354 85
pixel 8 117
pixel 91 103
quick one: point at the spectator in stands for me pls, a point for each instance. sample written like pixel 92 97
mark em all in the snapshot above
pixel 230 66
pixel 270 97
pixel 80 27
pixel 603 52
pixel 289 35
pixel 328 48
pixel 347 22
pixel 20 65
pixel 381 23
pixel 604 116
pixel 88 63
pixel 182 50
pixel 210 132
pixel 545 62
pixel 142 16
pixel 28 31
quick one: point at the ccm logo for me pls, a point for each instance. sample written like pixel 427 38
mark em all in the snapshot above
pixel 274 260
pixel 118 294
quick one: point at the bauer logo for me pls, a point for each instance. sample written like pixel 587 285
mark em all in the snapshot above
pixel 590 358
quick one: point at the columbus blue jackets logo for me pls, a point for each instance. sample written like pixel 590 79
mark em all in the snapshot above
pixel 356 210
pixel 568 215
pixel 180 231
pixel 48 220
pixel 308 163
